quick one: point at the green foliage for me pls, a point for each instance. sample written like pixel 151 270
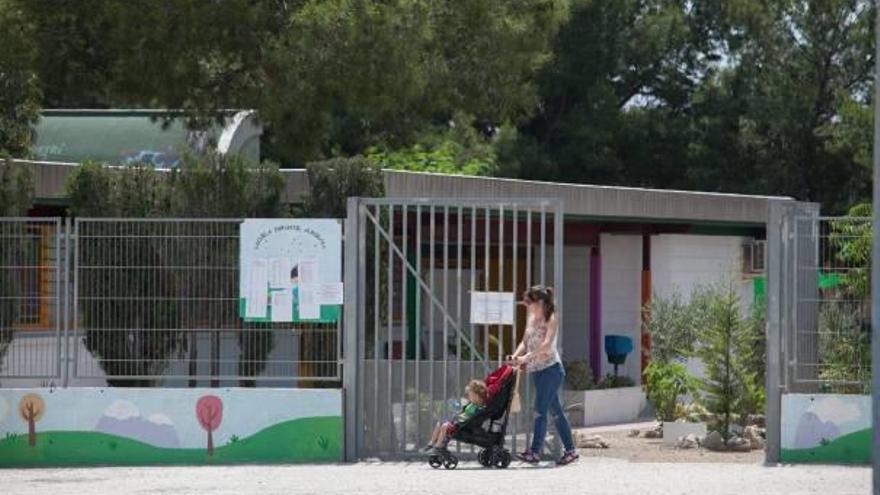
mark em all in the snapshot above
pixel 711 326
pixel 851 240
pixel 578 375
pixel 203 186
pixel 327 77
pixel 19 86
pixel 731 387
pixel 332 182
pixel 674 326
pixel 844 348
pixel 666 382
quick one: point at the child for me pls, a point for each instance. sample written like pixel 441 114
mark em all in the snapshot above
pixel 476 393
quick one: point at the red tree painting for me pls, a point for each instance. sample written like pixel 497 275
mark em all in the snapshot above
pixel 209 411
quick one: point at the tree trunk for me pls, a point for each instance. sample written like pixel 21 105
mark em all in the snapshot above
pixel 210 443
pixel 32 433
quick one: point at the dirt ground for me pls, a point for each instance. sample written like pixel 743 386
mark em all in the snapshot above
pixel 642 449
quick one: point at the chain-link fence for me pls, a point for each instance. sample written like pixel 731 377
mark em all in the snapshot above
pixel 152 302
pixel 30 298
pixel 829 348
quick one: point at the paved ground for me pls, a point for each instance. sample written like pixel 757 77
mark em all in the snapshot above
pixel 589 476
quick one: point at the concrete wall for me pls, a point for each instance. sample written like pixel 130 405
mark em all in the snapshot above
pixel 621 296
pixel 132 426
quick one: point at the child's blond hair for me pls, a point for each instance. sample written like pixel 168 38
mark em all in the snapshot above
pixel 478 387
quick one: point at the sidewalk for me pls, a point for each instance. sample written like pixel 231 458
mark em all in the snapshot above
pixel 588 476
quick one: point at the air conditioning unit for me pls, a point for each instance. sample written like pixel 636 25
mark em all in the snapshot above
pixel 754 256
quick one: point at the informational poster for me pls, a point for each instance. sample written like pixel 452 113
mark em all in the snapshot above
pixel 492 308
pixel 290 270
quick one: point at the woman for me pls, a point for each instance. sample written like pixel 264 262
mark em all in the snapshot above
pixel 538 355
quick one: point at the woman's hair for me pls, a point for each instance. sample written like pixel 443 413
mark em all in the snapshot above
pixel 543 295
pixel 479 388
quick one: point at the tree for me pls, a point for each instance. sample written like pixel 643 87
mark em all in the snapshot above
pixel 327 77
pixel 31 408
pixel 209 411
pixel 19 86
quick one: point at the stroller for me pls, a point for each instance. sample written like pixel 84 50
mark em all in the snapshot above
pixel 488 427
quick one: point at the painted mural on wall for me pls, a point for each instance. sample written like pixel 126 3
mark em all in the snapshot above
pixel 116 426
pixel 830 428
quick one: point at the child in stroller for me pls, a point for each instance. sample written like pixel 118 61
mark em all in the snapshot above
pixel 486 427
pixel 476 394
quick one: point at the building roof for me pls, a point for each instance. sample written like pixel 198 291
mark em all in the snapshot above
pixel 580 200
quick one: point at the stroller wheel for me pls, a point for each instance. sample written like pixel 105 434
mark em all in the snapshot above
pixel 483 458
pixel 502 459
pixel 450 462
pixel 435 462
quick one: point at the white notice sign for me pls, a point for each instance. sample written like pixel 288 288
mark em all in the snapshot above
pixel 282 305
pixel 492 308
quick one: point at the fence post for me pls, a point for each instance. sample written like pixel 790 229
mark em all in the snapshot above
pixel 65 293
pixel 775 298
pixel 350 371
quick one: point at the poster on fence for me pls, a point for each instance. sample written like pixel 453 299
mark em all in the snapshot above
pixel 290 270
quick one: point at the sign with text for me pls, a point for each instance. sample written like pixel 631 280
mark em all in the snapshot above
pixel 290 270
pixel 492 308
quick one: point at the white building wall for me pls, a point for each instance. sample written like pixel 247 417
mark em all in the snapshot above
pixel 621 257
pixel 683 263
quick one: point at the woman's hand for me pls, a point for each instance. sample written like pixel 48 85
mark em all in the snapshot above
pixel 520 361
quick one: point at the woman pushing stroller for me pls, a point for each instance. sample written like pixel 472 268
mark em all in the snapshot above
pixel 538 355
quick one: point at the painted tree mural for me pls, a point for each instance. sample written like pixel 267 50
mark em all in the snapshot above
pixel 209 411
pixel 31 409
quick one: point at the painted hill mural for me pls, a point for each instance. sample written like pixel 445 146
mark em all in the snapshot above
pixel 827 428
pixel 169 426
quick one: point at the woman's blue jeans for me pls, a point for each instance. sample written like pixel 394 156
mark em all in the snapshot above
pixel 548 382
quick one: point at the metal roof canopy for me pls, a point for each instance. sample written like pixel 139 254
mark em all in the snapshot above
pixel 582 202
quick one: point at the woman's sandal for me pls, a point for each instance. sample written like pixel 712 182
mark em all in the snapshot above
pixel 529 457
pixel 568 458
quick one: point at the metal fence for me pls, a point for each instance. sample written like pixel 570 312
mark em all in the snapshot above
pixel 829 345
pixel 30 298
pixel 151 302
pixel 418 263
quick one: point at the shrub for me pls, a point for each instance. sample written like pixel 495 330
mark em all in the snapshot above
pixel 578 375
pixel 665 384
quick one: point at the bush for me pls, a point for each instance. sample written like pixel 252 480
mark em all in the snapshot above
pixel 332 182
pixel 845 350
pixel 578 375
pixel 145 336
pixel 665 384
pixel 673 325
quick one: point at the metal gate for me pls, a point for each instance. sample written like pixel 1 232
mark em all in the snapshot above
pixel 411 266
